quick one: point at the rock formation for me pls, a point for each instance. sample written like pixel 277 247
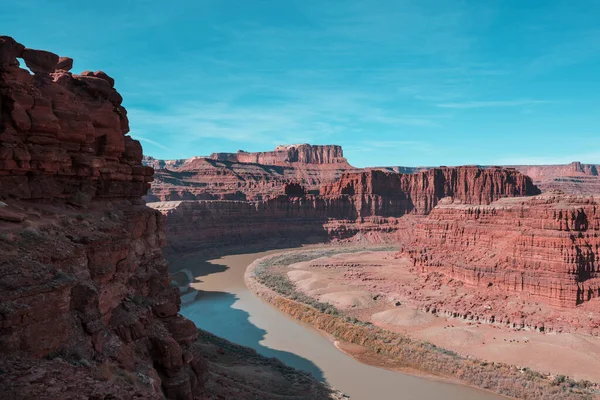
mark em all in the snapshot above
pixel 246 176
pixel 547 246
pixel 392 194
pixel 64 135
pixel 573 178
pixel 288 155
pixel 362 202
pixel 87 309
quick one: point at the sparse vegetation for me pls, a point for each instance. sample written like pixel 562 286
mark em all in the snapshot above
pixel 406 352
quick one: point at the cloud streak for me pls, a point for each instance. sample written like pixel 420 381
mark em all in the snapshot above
pixel 495 103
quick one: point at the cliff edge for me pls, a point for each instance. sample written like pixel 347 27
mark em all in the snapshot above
pixel 87 308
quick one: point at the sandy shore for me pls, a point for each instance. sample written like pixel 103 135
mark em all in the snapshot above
pixel 344 281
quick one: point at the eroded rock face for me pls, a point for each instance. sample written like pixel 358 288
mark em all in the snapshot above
pixel 83 284
pixel 286 155
pixel 246 176
pixel 64 135
pixel 87 308
pixel 393 194
pixel 366 203
pixel 547 246
pixel 573 178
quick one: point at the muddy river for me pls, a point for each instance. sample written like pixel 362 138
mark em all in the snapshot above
pixel 225 307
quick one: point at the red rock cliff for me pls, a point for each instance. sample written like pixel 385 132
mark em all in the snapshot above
pixel 85 293
pixel 64 135
pixel 420 192
pixel 286 155
pixel 363 202
pixel 547 246
pixel 87 308
pixel 246 176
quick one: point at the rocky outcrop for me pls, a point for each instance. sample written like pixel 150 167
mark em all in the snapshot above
pixel 286 155
pixel 82 279
pixel 392 194
pixel 546 246
pixel 246 176
pixel 87 309
pixel 64 135
pixel 573 178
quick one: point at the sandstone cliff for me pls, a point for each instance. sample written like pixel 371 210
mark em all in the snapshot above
pixel 64 135
pixel 547 246
pixel 573 178
pixel 367 203
pixel 400 194
pixel 286 155
pixel 87 309
pixel 246 176
pixel 93 284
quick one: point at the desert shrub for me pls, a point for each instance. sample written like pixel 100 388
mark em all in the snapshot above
pixel 407 352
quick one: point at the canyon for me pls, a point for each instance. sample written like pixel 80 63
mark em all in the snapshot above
pixel 259 176
pixel 87 307
pixel 496 250
pixel 90 230
pixel 487 227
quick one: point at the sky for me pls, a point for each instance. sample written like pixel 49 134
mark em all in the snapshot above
pixel 427 82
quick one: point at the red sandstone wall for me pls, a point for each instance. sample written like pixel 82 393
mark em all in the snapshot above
pixel 286 155
pixel 82 275
pixel 420 192
pixel 547 246
pixel 63 134
pixel 357 203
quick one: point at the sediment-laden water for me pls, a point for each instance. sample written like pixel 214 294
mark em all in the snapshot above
pixel 225 307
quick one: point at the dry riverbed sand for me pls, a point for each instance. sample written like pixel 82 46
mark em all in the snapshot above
pixel 379 288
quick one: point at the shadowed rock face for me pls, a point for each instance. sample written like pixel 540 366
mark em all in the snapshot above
pixel 81 271
pixel 87 309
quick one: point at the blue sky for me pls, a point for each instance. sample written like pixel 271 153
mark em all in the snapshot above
pixel 395 83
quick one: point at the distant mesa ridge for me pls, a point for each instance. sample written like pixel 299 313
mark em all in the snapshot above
pixel 284 155
pixel 257 175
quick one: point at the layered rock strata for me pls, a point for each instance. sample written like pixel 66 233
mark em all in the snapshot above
pixel 64 135
pixel 368 202
pixel 87 309
pixel 392 194
pixel 246 176
pixel 573 178
pixel 288 155
pixel 547 247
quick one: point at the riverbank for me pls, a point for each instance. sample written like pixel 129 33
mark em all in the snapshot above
pixel 267 277
pixel 224 306
pixel 241 373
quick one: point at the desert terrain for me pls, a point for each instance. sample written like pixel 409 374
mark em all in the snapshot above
pixel 383 288
pixel 486 276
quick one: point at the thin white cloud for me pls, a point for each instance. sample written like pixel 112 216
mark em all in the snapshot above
pixel 575 49
pixel 497 103
pixel 152 142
